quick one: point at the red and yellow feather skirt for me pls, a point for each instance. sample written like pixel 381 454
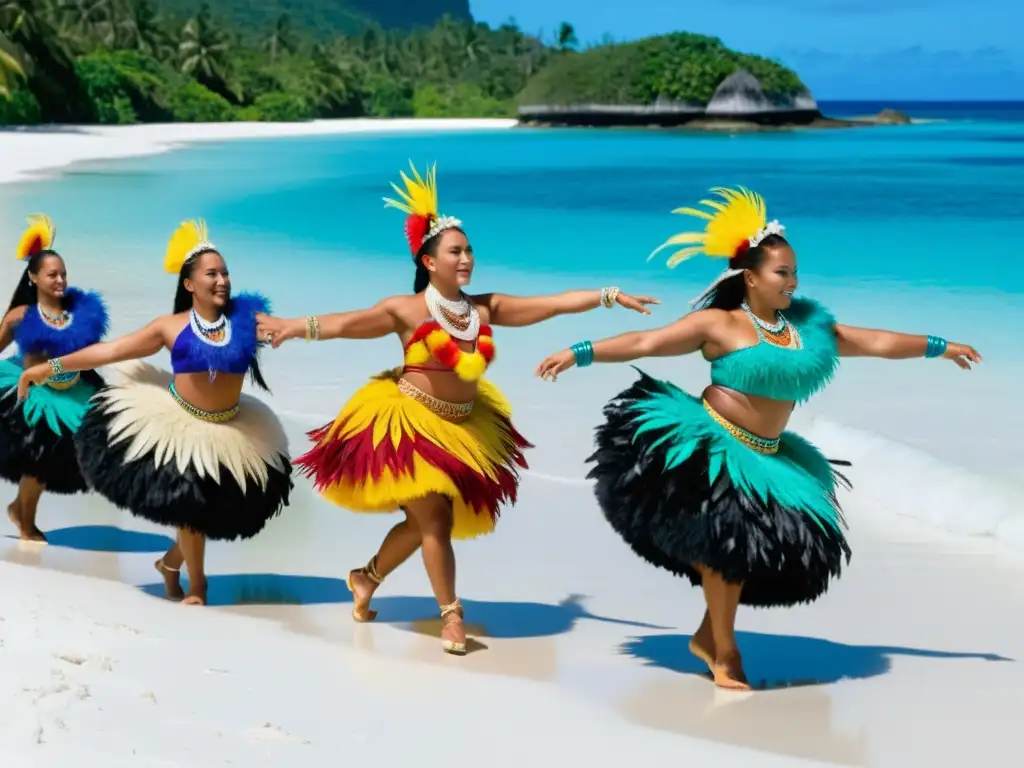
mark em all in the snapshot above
pixel 388 447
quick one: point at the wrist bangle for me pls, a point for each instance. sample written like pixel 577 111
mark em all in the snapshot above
pixel 56 366
pixel 608 297
pixel 312 328
pixel 583 351
pixel 936 347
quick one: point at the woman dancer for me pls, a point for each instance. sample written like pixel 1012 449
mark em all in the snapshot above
pixel 713 488
pixel 432 438
pixel 188 450
pixel 46 318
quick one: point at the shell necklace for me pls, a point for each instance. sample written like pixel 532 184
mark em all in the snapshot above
pixel 459 318
pixel 773 328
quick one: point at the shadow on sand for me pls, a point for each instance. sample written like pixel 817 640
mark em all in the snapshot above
pixel 106 538
pixel 500 618
pixel 787 661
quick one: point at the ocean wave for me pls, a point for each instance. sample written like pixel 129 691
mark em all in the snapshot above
pixel 891 478
pixel 897 479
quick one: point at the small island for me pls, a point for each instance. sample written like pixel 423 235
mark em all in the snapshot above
pixel 680 80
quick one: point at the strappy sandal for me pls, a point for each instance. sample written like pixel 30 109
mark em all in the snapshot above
pixel 362 612
pixel 453 610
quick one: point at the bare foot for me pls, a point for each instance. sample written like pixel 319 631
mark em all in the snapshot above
pixel 362 588
pixel 728 672
pixel 31 533
pixel 15 514
pixel 702 645
pixel 172 581
pixel 196 593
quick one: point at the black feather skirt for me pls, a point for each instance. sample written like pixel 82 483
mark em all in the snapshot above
pixel 37 435
pixel 139 448
pixel 682 491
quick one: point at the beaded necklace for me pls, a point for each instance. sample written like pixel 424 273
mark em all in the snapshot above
pixel 59 322
pixel 779 334
pixel 216 334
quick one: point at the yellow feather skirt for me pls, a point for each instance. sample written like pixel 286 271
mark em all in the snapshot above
pixel 386 449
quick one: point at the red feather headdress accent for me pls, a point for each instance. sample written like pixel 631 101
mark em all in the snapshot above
pixel 38 236
pixel 419 202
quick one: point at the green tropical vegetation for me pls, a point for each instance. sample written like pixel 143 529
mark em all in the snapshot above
pixel 680 67
pixel 127 61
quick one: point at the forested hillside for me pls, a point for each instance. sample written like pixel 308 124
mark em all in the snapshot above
pixel 126 61
pixel 326 18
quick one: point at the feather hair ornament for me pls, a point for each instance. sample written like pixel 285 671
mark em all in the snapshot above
pixel 38 236
pixel 735 222
pixel 188 240
pixel 419 202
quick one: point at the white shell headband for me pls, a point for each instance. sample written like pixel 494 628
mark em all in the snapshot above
pixel 771 228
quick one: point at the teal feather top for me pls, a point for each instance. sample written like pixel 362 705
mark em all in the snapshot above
pixel 782 373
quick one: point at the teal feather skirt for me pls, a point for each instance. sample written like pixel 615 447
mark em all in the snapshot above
pixel 682 491
pixel 37 436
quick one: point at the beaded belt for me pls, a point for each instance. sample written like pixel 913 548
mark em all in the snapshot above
pixel 199 413
pixel 62 381
pixel 749 439
pixel 444 409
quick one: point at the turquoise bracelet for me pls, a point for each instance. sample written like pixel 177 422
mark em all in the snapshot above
pixel 936 347
pixel 584 353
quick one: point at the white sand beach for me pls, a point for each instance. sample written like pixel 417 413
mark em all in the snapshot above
pixel 579 648
pixel 27 152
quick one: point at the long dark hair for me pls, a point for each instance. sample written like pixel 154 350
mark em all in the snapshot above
pixel 729 293
pixel 429 248
pixel 27 292
pixel 183 303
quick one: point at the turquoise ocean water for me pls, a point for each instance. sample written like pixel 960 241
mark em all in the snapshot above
pixel 911 228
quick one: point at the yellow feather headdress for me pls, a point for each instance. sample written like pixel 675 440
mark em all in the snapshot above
pixel 736 222
pixel 188 240
pixel 419 202
pixel 38 236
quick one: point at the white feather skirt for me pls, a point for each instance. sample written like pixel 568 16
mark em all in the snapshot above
pixel 140 449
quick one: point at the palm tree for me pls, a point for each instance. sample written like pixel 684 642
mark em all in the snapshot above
pixel 282 38
pixel 139 28
pixel 566 38
pixel 203 50
pixel 84 23
pixel 11 69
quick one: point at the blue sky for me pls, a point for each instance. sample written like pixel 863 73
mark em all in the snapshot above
pixel 843 49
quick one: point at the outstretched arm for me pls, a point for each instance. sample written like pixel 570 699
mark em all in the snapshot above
pixel 682 337
pixel 520 311
pixel 889 345
pixel 143 343
pixel 373 323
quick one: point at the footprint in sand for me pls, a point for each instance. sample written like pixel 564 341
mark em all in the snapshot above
pixel 271 732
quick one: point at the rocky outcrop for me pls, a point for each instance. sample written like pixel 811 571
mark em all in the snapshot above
pixel 741 97
pixel 892 117
pixel 662 113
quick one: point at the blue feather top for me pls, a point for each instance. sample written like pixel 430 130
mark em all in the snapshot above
pixel 88 325
pixel 191 353
pixel 781 373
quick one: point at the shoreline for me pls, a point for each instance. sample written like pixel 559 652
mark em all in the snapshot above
pixel 35 152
